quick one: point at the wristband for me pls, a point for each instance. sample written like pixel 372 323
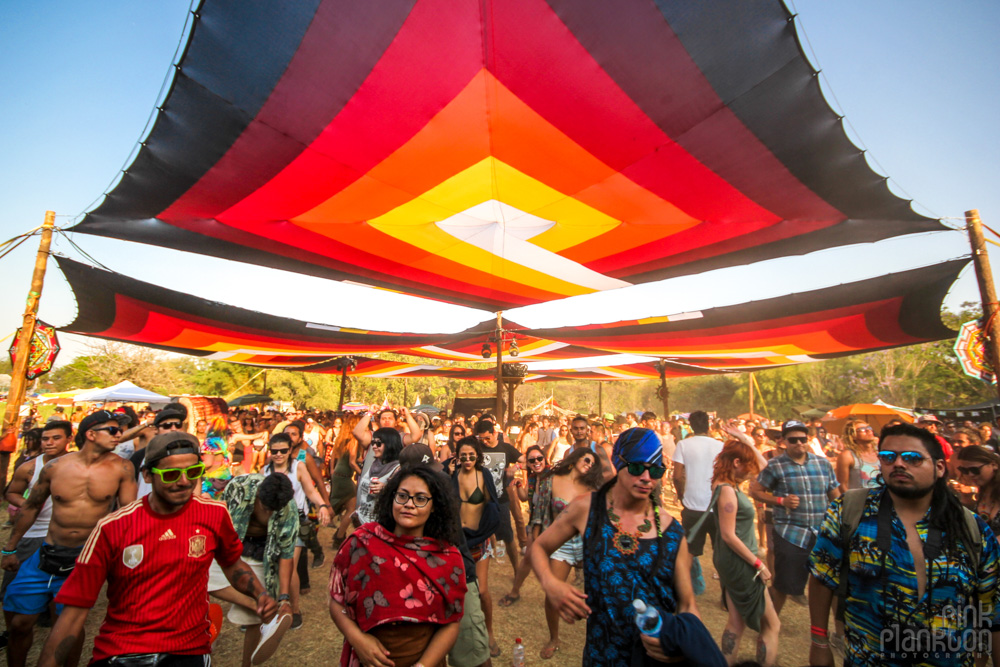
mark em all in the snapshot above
pixel 284 597
pixel 8 553
pixel 817 631
pixel 326 506
pixel 260 595
pixel 757 564
pixel 780 500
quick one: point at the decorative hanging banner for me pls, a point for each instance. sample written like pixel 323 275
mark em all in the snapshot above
pixel 971 352
pixel 43 351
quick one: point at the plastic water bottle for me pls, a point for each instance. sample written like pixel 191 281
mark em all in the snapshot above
pixel 518 659
pixel 647 618
pixel 500 551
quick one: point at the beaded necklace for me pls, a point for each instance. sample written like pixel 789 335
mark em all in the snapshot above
pixel 626 542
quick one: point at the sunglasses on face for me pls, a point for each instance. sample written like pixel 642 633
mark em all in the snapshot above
pixel 536 459
pixel 169 425
pixel 655 472
pixel 909 458
pixel 172 475
pixel 279 451
pixel 970 470
pixel 797 440
pixel 377 443
pixel 419 500
pixel 864 428
pixel 467 457
pixel 112 430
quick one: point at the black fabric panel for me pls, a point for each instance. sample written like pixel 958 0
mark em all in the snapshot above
pixel 254 38
pixel 207 107
pixel 95 302
pixel 924 290
pixel 95 291
pixel 749 52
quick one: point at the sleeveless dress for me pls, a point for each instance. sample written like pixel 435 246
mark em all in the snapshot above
pixel 613 580
pixel 735 574
pixel 342 487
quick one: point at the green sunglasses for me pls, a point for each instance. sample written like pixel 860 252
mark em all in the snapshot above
pixel 172 475
pixel 655 472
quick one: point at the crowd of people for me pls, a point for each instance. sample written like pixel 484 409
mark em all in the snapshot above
pixel 886 532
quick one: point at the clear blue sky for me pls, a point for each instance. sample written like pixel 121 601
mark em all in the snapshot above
pixel 917 80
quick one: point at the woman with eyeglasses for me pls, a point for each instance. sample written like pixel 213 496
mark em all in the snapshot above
pixel 386 445
pixel 742 575
pixel 577 475
pixel 397 586
pixel 535 467
pixel 343 490
pixel 480 514
pixel 857 465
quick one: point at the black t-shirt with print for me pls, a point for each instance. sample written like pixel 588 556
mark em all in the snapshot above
pixel 497 460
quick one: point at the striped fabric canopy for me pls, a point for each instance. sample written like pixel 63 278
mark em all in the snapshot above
pixel 498 153
pixel 873 314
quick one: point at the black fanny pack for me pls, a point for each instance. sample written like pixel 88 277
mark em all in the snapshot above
pixel 56 560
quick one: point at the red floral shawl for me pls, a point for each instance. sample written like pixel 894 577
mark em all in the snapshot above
pixel 381 578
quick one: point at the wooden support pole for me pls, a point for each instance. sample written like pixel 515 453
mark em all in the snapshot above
pixel 987 290
pixel 499 341
pixel 511 386
pixel 18 382
pixel 343 384
pixel 751 395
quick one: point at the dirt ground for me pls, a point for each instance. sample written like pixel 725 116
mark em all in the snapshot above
pixel 319 643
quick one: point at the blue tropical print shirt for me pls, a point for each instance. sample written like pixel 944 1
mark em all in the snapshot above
pixel 956 608
pixel 613 580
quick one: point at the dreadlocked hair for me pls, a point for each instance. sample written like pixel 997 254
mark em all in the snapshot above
pixel 946 511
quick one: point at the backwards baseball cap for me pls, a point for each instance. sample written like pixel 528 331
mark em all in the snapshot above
pixel 928 418
pixel 170 444
pixel 95 419
pixel 168 413
pixel 793 425
pixel 418 454
pixel 637 445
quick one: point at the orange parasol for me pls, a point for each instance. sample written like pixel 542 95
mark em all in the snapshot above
pixel 876 415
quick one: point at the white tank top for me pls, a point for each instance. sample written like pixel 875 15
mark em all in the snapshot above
pixel 293 476
pixel 41 526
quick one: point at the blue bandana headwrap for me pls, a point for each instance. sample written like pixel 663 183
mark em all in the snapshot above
pixel 637 445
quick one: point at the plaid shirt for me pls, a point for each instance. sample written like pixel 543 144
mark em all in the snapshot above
pixel 810 481
pixel 957 601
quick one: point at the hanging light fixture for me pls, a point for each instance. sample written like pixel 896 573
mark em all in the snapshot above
pixel 487 352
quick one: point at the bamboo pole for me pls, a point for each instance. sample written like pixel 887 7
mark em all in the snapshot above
pixel 18 382
pixel 987 290
pixel 751 395
pixel 499 340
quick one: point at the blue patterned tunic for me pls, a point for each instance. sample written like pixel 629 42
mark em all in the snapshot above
pixel 613 580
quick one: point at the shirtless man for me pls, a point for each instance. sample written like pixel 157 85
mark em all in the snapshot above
pixel 83 485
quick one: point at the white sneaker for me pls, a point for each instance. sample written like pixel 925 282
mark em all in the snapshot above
pixel 270 636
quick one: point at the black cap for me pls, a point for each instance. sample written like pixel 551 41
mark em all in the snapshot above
pixel 793 425
pixel 169 444
pixel 96 419
pixel 167 413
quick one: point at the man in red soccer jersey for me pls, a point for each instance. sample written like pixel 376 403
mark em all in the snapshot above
pixel 155 554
